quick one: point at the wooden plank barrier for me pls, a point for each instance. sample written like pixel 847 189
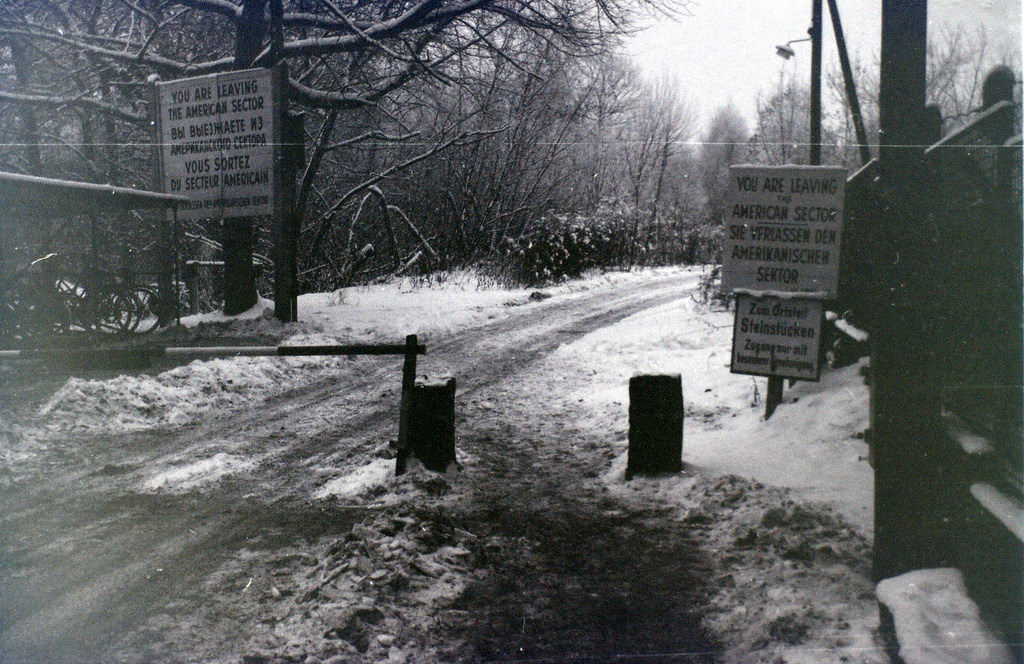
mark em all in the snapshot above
pixel 142 356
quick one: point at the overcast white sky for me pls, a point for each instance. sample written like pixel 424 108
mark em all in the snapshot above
pixel 725 50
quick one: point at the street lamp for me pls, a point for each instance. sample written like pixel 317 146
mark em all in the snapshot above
pixel 785 52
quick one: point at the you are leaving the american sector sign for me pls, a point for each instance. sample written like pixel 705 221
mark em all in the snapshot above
pixel 218 135
pixel 782 229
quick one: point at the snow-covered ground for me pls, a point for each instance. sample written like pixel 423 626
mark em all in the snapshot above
pixel 783 505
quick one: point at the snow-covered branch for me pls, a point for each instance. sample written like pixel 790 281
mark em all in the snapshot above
pixel 89 103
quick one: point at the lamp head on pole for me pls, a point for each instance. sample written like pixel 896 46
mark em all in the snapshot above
pixel 785 51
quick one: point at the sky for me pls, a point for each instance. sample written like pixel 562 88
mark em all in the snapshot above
pixel 724 50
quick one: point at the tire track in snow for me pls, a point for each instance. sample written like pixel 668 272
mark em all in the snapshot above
pixel 86 558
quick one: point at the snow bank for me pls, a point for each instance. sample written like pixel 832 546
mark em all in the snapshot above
pixel 263 308
pixel 442 304
pixel 936 622
pixel 812 444
pixel 180 395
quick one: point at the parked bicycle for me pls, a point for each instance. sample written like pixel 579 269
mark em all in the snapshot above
pixel 102 300
pixel 43 300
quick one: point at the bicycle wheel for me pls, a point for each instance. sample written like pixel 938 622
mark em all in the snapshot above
pixel 116 312
pixel 146 306
pixel 75 305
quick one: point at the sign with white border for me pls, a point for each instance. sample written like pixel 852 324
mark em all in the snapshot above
pixel 776 336
pixel 219 136
pixel 783 225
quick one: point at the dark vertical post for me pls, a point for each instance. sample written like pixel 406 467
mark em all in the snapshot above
pixel 166 309
pixel 431 423
pixel 289 161
pixel 408 383
pixel 287 221
pixel 815 148
pixel 904 393
pixel 851 87
pixel 655 425
pixel 276 30
pixel 237 238
pixel 239 278
pixel 166 293
pixel 773 397
pixel 174 232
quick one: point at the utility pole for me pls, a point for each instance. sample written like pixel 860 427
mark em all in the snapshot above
pixel 815 148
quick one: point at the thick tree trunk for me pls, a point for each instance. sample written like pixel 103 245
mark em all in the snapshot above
pixel 239 279
pixel 29 120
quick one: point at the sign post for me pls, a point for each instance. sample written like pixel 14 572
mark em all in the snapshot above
pixel 220 140
pixel 781 259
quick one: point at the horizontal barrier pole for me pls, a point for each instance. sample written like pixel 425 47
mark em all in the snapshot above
pixel 212 351
pixel 292 351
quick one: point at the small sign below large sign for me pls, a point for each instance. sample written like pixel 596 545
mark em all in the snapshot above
pixel 777 337
pixel 218 137
pixel 782 229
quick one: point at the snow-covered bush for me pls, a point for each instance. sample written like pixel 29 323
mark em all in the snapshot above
pixel 559 247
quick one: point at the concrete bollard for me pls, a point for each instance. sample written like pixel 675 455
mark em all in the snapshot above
pixel 432 423
pixel 655 425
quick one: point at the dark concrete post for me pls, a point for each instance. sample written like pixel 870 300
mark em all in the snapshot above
pixel 289 219
pixel 655 425
pixel 432 423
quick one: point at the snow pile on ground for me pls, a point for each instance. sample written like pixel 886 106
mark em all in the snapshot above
pixel 936 621
pixel 263 308
pixel 346 599
pixel 389 312
pixel 792 579
pixel 359 481
pixel 180 395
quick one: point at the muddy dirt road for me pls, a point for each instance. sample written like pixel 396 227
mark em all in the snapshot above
pixel 96 566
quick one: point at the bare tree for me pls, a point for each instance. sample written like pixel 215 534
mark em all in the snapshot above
pixel 724 144
pixel 93 57
pixel 662 119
